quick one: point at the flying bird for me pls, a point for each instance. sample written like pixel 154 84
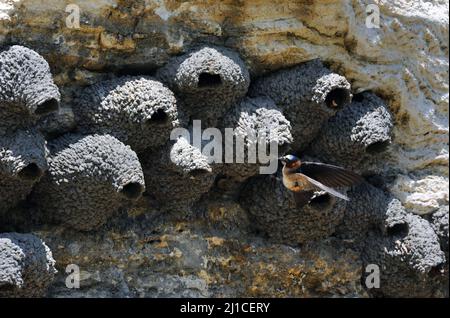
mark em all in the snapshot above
pixel 303 178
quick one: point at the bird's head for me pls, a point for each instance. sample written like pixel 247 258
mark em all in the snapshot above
pixel 290 161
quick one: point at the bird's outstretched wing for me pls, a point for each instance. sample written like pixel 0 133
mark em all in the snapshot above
pixel 321 186
pixel 302 198
pixel 329 175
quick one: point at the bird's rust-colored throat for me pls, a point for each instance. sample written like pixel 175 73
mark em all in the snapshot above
pixel 294 165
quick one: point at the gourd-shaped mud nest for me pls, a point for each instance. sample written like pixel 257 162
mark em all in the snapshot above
pixel 308 95
pixel 27 90
pixel 22 163
pixel 139 111
pixel 209 80
pixel 90 177
pixel 27 266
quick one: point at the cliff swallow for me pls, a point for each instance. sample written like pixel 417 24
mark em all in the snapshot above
pixel 303 178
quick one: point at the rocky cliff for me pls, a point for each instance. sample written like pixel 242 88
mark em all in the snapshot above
pixel 86 162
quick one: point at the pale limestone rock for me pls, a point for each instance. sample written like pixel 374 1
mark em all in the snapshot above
pixel 423 195
pixel 6 7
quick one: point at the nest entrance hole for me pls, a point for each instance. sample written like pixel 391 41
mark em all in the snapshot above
pixel 47 107
pixel 198 172
pixel 399 229
pixel 132 190
pixel 159 117
pixel 321 200
pixel 209 80
pixel 337 98
pixel 31 172
pixel 377 147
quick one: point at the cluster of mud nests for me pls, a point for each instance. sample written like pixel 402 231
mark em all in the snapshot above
pixel 120 150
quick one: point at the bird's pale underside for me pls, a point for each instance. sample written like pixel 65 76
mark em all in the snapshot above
pixel 305 178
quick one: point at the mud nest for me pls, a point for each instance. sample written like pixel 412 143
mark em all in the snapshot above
pixel 273 212
pixel 260 126
pixel 209 80
pixel 27 266
pixel 358 132
pixel 139 111
pixel 27 90
pixel 177 176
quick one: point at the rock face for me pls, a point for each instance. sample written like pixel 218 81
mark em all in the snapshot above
pixel 320 76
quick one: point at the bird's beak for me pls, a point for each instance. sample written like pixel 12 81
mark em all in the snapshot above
pixel 283 160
